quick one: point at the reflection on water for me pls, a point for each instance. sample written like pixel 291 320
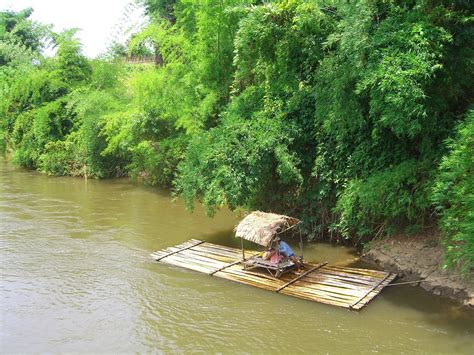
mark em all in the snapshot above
pixel 76 276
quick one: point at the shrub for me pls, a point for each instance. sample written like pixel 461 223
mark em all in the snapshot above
pixel 453 196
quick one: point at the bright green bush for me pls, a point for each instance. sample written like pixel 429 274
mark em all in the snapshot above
pixel 156 163
pixel 58 158
pixel 35 128
pixel 72 66
pixel 453 196
pixel 239 163
pixel 396 196
pixel 91 108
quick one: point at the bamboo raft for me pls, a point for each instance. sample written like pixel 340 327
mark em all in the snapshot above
pixel 334 285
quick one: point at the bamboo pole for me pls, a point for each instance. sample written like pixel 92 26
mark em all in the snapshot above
pixel 287 229
pixel 301 246
pixel 243 252
pixel 300 277
pixel 373 288
pixel 375 292
pixel 177 251
pixel 225 267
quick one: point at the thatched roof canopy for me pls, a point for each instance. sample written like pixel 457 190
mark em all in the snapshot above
pixel 261 227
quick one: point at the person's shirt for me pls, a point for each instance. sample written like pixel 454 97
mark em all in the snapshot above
pixel 284 248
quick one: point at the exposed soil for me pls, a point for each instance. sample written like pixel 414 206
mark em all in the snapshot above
pixel 421 257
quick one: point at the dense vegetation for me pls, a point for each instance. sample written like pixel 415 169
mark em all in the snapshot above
pixel 354 116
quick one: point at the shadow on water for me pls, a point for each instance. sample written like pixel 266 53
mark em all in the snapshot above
pixel 222 237
pixel 437 311
pixel 227 238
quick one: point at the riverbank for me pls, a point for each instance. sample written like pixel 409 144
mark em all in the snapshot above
pixel 421 257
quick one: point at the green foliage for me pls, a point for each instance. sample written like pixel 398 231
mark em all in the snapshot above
pixel 58 158
pixel 373 100
pixel 398 194
pixel 33 130
pixel 160 8
pixel 354 90
pixel 106 75
pixel 20 38
pixel 406 53
pixel 256 157
pixel 90 106
pixel 72 66
pixel 235 163
pixel 156 163
pixel 453 196
pixel 52 111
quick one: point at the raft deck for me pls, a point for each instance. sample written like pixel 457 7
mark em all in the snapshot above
pixel 339 286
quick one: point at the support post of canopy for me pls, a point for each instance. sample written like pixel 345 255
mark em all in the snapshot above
pixel 301 246
pixel 243 251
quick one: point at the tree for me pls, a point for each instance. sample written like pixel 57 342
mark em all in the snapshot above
pixel 72 66
pixel 19 36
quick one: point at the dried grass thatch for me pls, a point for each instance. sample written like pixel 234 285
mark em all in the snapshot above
pixel 260 227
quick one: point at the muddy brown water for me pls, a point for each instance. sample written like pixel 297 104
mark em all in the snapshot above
pixel 76 277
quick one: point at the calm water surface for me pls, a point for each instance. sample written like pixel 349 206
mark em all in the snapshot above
pixel 76 277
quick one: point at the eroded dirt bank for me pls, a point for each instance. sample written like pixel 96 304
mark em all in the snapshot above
pixel 415 258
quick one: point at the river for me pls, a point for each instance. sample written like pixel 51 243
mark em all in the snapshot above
pixel 76 277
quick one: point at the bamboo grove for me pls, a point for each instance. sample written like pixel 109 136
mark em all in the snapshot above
pixel 355 116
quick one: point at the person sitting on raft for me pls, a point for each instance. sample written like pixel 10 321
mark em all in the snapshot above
pixel 283 248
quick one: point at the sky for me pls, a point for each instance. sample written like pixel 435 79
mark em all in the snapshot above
pixel 100 21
